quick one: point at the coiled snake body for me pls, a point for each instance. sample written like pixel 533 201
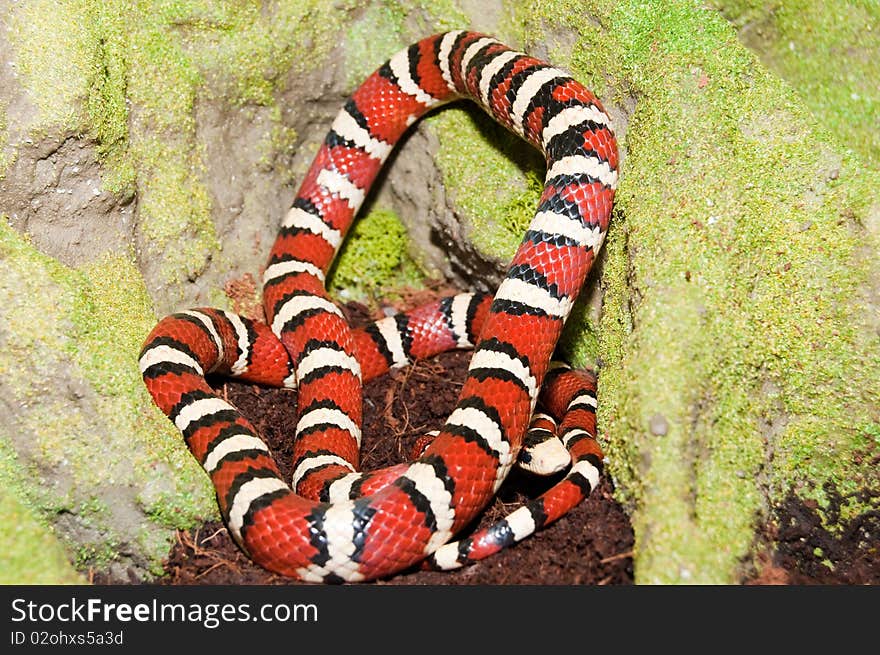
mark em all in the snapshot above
pixel 332 523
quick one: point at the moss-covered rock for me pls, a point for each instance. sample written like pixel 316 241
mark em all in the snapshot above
pixel 735 317
pixel 738 337
pixel 827 52
pixel 31 553
pixel 91 451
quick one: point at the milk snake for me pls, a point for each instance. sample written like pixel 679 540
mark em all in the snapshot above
pixel 333 524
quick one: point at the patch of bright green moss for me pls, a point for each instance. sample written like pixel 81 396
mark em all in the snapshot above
pixel 828 53
pixel 31 553
pixel 733 288
pixel 373 258
pixel 439 15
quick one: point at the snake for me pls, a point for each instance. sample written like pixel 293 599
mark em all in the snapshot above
pixel 332 523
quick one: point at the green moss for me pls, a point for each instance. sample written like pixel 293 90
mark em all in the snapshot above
pixel 130 74
pixel 828 53
pixel 372 39
pixel 31 552
pixel 439 15
pixel 114 308
pixel 280 138
pixel 58 72
pixel 384 28
pixel 373 258
pixel 492 179
pixel 27 532
pixel 733 288
pixel 107 46
pixel 25 537
pixel 80 332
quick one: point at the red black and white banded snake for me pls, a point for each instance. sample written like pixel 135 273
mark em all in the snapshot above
pixel 332 523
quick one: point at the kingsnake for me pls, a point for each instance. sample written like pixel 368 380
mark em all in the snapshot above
pixel 335 524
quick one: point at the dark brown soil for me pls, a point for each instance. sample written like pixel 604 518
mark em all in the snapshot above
pixel 592 545
pixel 803 552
